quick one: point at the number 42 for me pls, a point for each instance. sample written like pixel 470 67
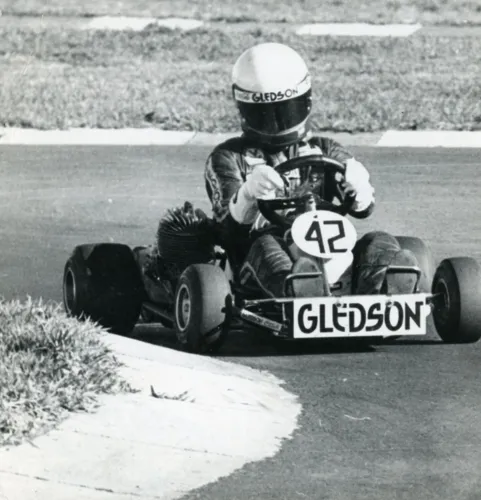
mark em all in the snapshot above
pixel 316 233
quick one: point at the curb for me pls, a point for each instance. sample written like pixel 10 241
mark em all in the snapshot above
pixel 341 29
pixel 173 436
pixel 366 139
pixel 120 23
pixel 430 139
pixel 158 137
pixel 144 137
pixel 95 137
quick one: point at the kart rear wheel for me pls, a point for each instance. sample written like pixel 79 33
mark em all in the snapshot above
pixel 202 294
pixel 424 257
pixel 102 282
pixel 456 314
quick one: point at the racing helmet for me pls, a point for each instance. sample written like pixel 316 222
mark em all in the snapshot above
pixel 271 85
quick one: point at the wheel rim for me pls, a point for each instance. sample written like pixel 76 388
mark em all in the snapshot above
pixel 183 307
pixel 69 292
pixel 443 305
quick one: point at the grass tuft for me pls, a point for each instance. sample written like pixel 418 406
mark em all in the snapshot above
pixel 50 365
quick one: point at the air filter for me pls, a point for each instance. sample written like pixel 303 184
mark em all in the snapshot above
pixel 185 236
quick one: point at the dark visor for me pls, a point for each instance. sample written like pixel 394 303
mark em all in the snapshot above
pixel 276 117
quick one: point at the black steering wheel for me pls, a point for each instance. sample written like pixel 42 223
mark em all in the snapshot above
pixel 323 163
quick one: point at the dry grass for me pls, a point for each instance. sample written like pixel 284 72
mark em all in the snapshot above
pixel 373 11
pixel 50 365
pixel 59 79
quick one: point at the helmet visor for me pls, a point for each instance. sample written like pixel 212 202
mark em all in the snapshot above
pixel 276 117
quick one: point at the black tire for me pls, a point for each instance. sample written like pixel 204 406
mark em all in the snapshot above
pixel 102 282
pixel 457 313
pixel 202 294
pixel 425 259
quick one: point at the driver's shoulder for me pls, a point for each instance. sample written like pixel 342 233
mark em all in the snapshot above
pixel 231 150
pixel 225 155
pixel 236 153
pixel 320 141
pixel 329 147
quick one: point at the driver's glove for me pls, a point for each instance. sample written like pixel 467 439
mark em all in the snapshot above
pixel 356 185
pixel 262 183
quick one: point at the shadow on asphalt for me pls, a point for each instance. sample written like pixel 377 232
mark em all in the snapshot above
pixel 255 343
pixel 420 342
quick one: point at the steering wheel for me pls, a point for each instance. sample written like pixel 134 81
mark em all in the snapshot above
pixel 268 207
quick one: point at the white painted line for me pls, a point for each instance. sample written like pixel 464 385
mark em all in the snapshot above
pixel 359 29
pixel 119 23
pixel 180 23
pixel 140 23
pixel 430 139
pixel 85 136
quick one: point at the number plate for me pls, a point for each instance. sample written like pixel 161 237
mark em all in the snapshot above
pixel 324 234
pixel 360 316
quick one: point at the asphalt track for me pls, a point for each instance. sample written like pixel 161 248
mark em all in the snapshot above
pixel 394 421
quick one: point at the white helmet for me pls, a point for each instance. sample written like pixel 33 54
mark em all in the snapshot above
pixel 272 89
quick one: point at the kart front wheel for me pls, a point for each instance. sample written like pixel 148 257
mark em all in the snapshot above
pixel 102 282
pixel 200 308
pixel 456 314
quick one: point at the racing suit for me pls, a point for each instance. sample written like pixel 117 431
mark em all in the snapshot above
pixel 264 260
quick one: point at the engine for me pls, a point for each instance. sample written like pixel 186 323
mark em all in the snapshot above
pixel 185 236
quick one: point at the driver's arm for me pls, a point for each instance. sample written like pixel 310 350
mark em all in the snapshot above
pixel 226 181
pixel 357 178
pixel 233 193
pixel 223 178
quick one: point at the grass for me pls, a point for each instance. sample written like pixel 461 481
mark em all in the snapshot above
pixel 374 11
pixel 50 365
pixel 61 79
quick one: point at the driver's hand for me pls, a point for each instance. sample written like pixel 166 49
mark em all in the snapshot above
pixel 263 182
pixel 348 189
pixel 357 185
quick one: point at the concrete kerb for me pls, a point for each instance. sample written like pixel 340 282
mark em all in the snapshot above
pixel 145 137
pixel 194 420
pixel 116 23
pixel 157 137
pixel 85 136
pixel 431 139
pixel 131 23
pixel 366 139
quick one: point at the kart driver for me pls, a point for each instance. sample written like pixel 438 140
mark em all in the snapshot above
pixel 271 87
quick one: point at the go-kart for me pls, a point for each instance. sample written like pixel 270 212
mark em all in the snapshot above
pixel 107 282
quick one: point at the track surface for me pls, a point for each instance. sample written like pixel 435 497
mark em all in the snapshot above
pixel 399 421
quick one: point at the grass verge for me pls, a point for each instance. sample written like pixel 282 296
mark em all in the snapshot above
pixel 181 81
pixel 50 365
pixel 373 11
